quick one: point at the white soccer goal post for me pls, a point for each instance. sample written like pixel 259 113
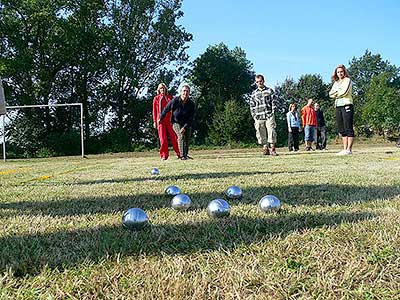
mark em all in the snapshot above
pixel 49 105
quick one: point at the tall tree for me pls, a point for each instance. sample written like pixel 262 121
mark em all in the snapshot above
pixel 32 55
pixel 101 53
pixel 219 75
pixel 382 110
pixel 362 70
pixel 290 91
pixel 145 38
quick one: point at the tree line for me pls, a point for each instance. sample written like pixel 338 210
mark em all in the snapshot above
pixel 110 56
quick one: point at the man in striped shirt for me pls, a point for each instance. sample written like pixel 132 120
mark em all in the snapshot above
pixel 262 108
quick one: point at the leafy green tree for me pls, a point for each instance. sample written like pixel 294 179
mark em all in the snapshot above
pixel 227 124
pixel 362 71
pixel 290 91
pixel 382 110
pixel 311 86
pixel 101 53
pixel 219 75
pixel 145 38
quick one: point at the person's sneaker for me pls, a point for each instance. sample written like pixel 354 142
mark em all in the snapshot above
pixel 184 158
pixel 308 148
pixel 164 158
pixel 345 152
pixel 265 150
pixel 273 153
pixel 398 145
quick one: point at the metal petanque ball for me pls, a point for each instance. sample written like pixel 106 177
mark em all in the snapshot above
pixel 155 171
pixel 269 203
pixel 181 202
pixel 172 190
pixel 218 208
pixel 234 192
pixel 135 219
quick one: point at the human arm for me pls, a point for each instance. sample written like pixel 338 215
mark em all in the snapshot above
pixel 155 112
pixel 167 109
pixel 334 90
pixel 303 116
pixel 288 122
pixel 252 103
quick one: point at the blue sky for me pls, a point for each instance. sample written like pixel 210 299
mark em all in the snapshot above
pixel 289 38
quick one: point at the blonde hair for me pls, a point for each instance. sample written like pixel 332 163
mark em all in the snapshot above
pixel 334 75
pixel 292 105
pixel 161 85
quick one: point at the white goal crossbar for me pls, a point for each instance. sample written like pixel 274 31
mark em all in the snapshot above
pixel 49 105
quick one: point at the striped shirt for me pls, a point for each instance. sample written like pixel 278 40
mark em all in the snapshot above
pixel 262 103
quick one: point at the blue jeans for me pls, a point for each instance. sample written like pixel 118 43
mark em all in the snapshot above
pixel 309 133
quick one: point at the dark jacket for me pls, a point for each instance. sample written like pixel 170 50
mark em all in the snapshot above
pixel 181 113
pixel 320 118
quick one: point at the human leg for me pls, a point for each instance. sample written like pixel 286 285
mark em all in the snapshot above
pixel 162 135
pixel 270 125
pixel 323 137
pixel 177 129
pixel 295 132
pixel 348 116
pixel 174 139
pixel 290 140
pixel 315 138
pixel 308 136
pixel 261 134
pixel 340 126
pixel 186 139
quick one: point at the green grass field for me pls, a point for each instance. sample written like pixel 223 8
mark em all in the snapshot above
pixel 336 237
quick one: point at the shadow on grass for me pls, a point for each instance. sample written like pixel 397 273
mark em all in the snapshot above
pixel 29 254
pixel 189 176
pixel 295 195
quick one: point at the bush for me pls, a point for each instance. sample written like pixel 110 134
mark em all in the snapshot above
pixel 230 125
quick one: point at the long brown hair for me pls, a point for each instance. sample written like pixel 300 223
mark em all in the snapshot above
pixel 334 75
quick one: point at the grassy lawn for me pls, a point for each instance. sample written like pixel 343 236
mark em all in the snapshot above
pixel 336 237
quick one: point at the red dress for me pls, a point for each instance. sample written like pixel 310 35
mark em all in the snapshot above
pixel 165 126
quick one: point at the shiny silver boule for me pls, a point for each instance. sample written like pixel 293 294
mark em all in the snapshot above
pixel 181 202
pixel 218 208
pixel 269 203
pixel 234 192
pixel 155 171
pixel 135 219
pixel 172 190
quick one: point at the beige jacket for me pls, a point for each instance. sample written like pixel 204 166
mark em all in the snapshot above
pixel 342 91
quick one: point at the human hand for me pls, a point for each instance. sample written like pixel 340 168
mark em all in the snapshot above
pixel 182 130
